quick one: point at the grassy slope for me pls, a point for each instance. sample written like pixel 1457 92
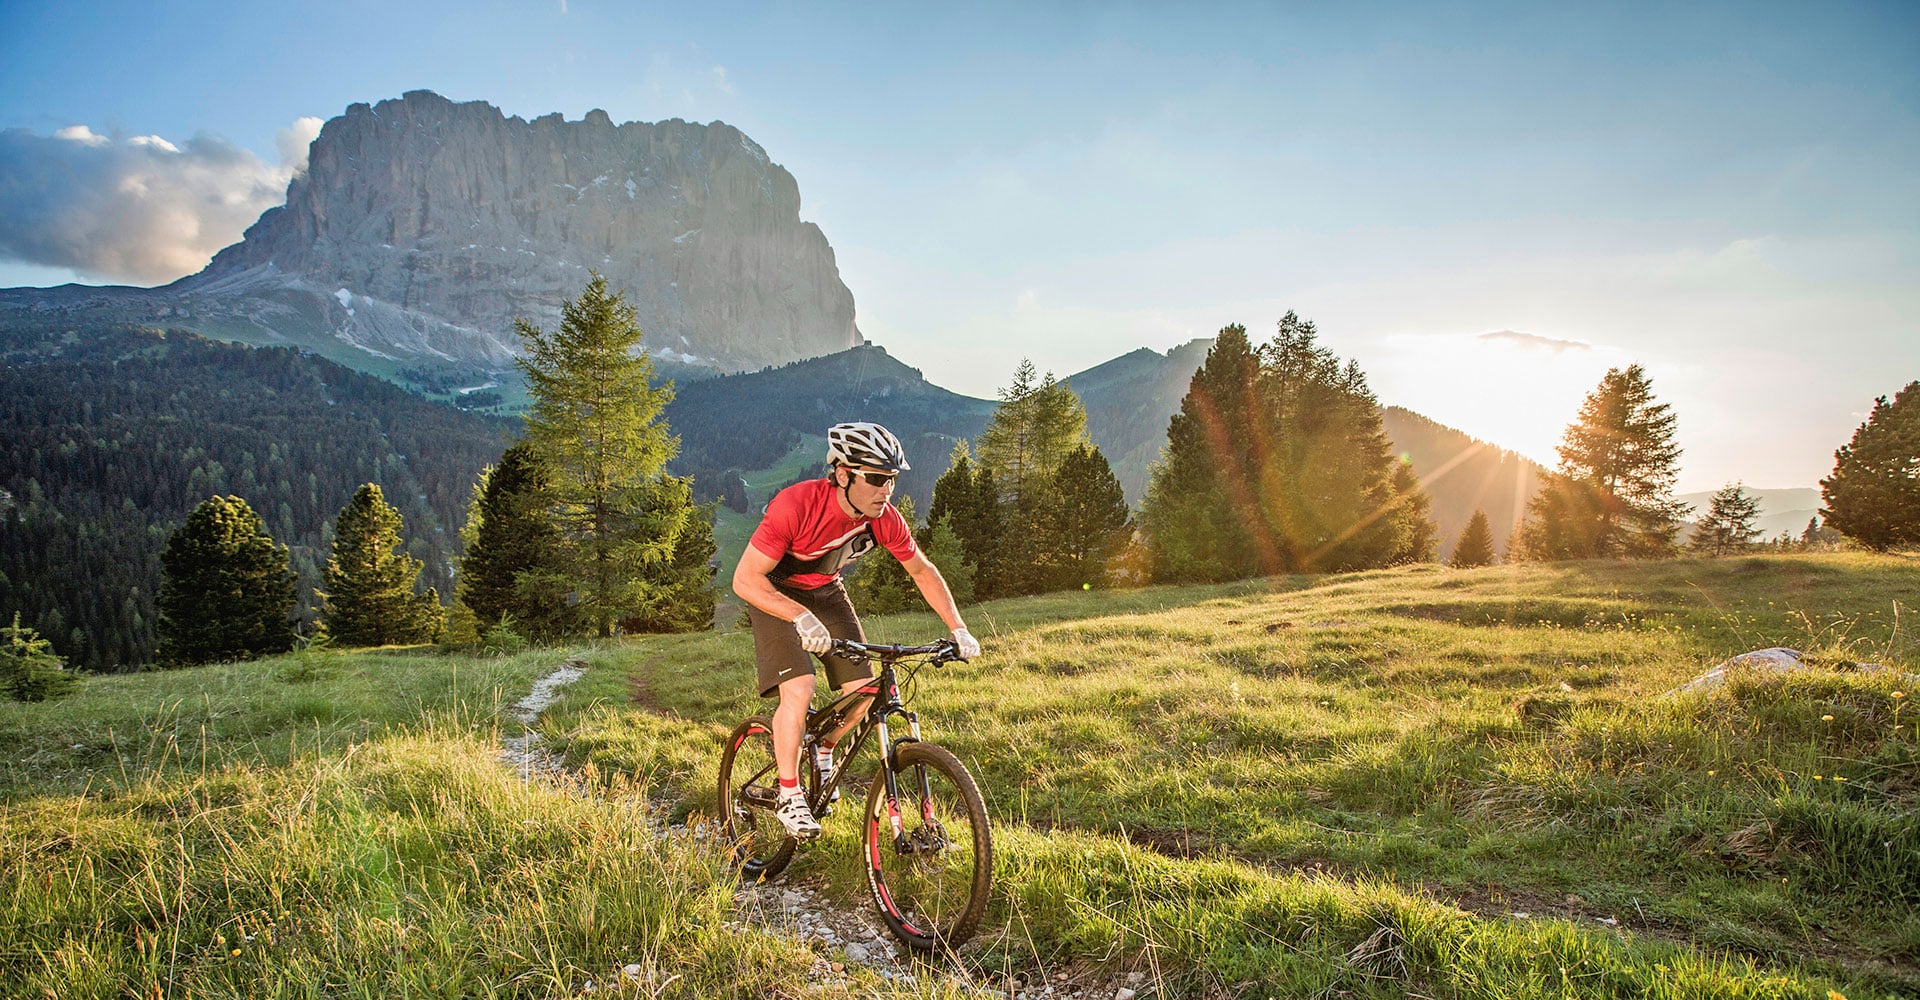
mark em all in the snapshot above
pixel 1455 747
pixel 1338 785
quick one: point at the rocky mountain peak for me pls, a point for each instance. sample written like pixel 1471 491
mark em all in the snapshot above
pixel 427 226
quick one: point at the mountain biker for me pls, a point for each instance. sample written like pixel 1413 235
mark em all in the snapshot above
pixel 790 578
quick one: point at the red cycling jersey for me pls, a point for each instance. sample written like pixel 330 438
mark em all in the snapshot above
pixel 805 520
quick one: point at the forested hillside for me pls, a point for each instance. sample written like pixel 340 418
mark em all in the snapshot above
pixel 1464 474
pixel 109 436
pixel 747 422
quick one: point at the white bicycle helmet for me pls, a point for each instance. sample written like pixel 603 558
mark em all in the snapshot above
pixel 868 445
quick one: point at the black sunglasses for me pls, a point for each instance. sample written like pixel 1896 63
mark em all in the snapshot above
pixel 877 479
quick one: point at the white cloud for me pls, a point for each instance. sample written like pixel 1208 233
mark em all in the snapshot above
pixel 1534 340
pixel 141 209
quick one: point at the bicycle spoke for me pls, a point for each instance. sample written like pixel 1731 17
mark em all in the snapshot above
pixel 930 878
pixel 747 794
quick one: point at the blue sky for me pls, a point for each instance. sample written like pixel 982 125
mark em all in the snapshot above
pixel 1487 207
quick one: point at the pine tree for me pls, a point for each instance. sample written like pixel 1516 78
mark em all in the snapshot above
pixel 680 597
pixel 594 420
pixel 1475 547
pixel 1414 511
pixel 1278 462
pixel 369 598
pixel 29 668
pixel 1613 494
pixel 1873 495
pixel 878 584
pixel 1199 503
pixel 513 567
pixel 1085 519
pixel 942 546
pixel 967 501
pixel 1727 527
pixel 226 592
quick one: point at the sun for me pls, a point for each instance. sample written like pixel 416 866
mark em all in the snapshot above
pixel 1517 391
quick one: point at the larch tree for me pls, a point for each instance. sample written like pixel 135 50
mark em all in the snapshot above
pixel 369 597
pixel 226 589
pixel 1039 422
pixel 594 420
pixel 1873 495
pixel 1475 546
pixel 1612 495
pixel 1727 527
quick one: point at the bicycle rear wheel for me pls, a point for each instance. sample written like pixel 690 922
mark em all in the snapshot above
pixel 929 853
pixel 749 785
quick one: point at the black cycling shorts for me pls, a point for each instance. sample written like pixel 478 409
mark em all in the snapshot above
pixel 776 645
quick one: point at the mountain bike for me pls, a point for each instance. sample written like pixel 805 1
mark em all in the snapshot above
pixel 928 849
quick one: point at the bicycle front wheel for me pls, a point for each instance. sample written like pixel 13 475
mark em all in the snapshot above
pixel 749 786
pixel 929 851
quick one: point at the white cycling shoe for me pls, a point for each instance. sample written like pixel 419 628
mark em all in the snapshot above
pixel 792 812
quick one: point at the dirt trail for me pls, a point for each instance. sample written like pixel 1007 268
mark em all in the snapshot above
pixel 848 937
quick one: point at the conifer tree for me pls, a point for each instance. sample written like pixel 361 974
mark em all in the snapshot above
pixel 1613 493
pixel 966 500
pixel 1727 527
pixel 1199 498
pixel 513 564
pixel 369 598
pixel 878 584
pixel 1415 512
pixel 943 547
pixel 29 668
pixel 1873 495
pixel 594 420
pixel 1036 426
pixel 681 596
pixel 1475 547
pixel 226 592
pixel 1085 519
pixel 1278 462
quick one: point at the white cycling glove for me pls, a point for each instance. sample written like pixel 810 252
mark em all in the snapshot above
pixel 969 646
pixel 814 637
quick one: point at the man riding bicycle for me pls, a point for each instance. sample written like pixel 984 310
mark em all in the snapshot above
pixel 790 579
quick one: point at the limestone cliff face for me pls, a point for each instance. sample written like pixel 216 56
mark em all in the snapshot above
pixel 429 226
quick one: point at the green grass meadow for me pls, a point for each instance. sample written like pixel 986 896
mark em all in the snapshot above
pixel 1413 782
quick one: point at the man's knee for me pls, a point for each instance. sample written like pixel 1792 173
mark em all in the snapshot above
pixel 796 691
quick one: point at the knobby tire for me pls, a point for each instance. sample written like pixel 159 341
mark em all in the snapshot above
pixel 933 895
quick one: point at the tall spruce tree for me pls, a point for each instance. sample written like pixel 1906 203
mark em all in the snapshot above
pixel 1085 518
pixel 1612 496
pixel 1873 495
pixel 1475 547
pixel 226 591
pixel 1277 462
pixel 1727 528
pixel 514 563
pixel 966 500
pixel 1200 503
pixel 369 598
pixel 594 420
pixel 1421 538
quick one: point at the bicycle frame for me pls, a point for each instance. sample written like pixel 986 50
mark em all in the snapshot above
pixel 884 689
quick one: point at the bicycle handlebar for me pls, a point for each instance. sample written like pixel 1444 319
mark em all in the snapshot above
pixel 941 650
